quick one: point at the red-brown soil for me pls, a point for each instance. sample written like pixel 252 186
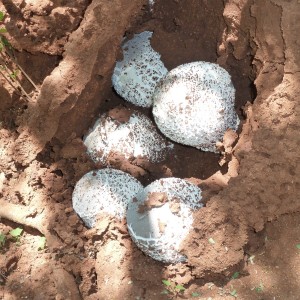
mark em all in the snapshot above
pixel 252 207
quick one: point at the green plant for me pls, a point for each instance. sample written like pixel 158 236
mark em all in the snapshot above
pixel 2 14
pixel 3 41
pixel 259 288
pixel 233 292
pixel 195 294
pixel 235 275
pixel 172 287
pixel 2 240
pixel 14 74
pixel 298 246
pixel 16 234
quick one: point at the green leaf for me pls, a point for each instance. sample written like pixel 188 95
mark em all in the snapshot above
pixel 259 288
pixel 16 232
pixel 165 292
pixel 235 275
pixel 195 294
pixel 2 239
pixel 180 287
pixel 4 41
pixel 14 74
pixel 298 246
pixel 166 282
pixel 233 293
pixel 2 14
pixel 3 30
pixel 211 241
pixel 42 243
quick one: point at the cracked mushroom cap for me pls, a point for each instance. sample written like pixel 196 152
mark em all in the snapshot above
pixel 136 76
pixel 160 217
pixel 134 137
pixel 104 191
pixel 194 105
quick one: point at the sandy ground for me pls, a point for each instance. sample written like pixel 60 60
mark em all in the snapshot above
pixel 252 209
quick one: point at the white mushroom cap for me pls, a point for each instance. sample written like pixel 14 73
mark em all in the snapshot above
pixel 194 105
pixel 161 217
pixel 104 191
pixel 136 76
pixel 136 137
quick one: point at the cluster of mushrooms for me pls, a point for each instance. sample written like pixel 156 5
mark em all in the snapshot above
pixel 192 104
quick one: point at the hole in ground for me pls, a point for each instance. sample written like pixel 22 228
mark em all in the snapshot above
pixel 182 35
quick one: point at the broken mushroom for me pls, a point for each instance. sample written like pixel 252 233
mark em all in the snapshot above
pixel 194 105
pixel 104 191
pixel 160 217
pixel 136 76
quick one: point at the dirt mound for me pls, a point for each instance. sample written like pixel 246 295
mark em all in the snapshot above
pixel 42 26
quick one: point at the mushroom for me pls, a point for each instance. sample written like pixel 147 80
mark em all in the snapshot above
pixel 104 191
pixel 194 105
pixel 161 216
pixel 136 76
pixel 134 136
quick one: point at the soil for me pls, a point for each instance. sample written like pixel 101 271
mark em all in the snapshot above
pixel 244 240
